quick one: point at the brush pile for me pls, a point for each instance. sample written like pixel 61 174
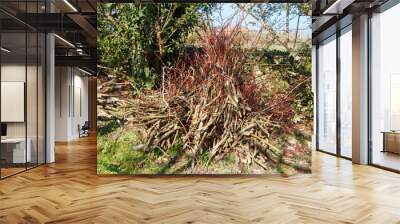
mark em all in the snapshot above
pixel 213 103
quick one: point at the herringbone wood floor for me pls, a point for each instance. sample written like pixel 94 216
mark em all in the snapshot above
pixel 69 191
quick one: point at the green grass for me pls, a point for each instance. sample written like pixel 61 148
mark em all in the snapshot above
pixel 116 155
pixel 108 127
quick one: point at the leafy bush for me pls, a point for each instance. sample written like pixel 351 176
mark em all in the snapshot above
pixel 136 40
pixel 293 73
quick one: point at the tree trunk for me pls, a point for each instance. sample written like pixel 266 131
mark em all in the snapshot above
pixel 297 32
pixel 287 23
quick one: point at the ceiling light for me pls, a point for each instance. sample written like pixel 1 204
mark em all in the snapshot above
pixel 5 50
pixel 338 6
pixel 70 5
pixel 65 41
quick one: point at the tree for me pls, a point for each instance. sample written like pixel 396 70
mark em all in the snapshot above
pixel 137 40
pixel 274 23
pixel 274 20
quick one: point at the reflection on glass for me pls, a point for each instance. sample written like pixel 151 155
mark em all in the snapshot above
pixel 385 86
pixel 327 96
pixel 41 99
pixel 14 153
pixel 346 93
pixel 22 90
pixel 31 101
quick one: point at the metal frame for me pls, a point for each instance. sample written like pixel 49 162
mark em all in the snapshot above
pixel 338 152
pixel 338 98
pixel 26 89
pixel 0 89
pixel 317 96
pixel 369 78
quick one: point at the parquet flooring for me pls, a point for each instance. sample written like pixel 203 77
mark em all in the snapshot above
pixel 10 171
pixel 69 191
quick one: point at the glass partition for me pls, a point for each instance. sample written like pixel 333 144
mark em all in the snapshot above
pixel 41 97
pixel 346 92
pixel 32 98
pixel 22 78
pixel 13 94
pixel 327 95
pixel 385 89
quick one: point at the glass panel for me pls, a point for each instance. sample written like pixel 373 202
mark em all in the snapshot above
pixel 32 86
pixel 327 95
pixel 22 88
pixel 385 86
pixel 346 92
pixel 32 96
pixel 13 87
pixel 41 99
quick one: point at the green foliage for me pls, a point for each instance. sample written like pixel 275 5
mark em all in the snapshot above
pixel 136 40
pixel 275 13
pixel 303 103
pixel 294 73
pixel 108 127
pixel 118 154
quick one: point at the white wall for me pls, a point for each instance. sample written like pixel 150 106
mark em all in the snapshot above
pixel 12 73
pixel 17 73
pixel 80 97
pixel 33 126
pixel 62 81
pixel 71 102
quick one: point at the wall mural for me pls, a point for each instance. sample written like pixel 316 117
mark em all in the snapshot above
pixel 204 88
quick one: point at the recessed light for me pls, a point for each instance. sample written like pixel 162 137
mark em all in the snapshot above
pixel 5 50
pixel 70 5
pixel 65 41
pixel 338 6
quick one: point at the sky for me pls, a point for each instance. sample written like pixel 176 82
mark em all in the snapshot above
pixel 228 10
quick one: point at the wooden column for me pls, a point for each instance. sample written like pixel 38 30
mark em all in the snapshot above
pixel 92 85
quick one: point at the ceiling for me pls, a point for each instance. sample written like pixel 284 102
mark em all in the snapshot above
pixel 331 15
pixel 73 21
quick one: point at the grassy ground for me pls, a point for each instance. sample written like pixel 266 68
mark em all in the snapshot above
pixel 120 151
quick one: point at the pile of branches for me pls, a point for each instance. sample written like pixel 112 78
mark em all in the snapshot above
pixel 213 102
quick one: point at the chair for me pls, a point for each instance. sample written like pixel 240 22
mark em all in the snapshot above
pixel 84 130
